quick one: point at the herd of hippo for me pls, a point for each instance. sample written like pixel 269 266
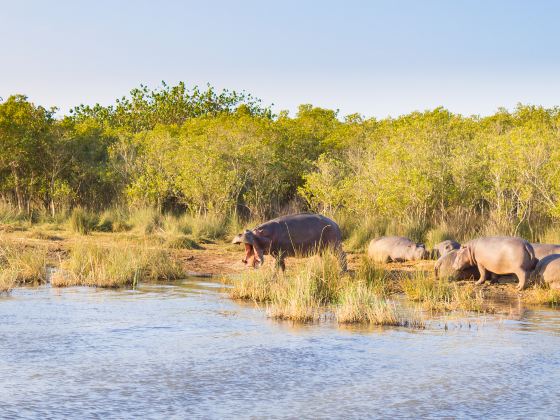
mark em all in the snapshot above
pixel 480 259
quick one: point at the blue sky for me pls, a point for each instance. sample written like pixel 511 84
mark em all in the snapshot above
pixel 377 58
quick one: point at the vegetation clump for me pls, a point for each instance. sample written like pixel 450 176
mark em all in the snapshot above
pixel 440 294
pixel 21 264
pixel 121 265
pixel 319 289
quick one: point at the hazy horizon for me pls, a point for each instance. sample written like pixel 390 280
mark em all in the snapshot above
pixel 375 59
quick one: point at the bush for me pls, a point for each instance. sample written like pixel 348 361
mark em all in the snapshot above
pixel 83 221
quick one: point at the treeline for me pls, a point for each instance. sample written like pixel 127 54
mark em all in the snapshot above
pixel 205 151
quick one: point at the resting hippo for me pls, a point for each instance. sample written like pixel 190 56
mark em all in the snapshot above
pixel 396 248
pixel 289 236
pixel 444 269
pixel 548 271
pixel 445 247
pixel 542 250
pixel 498 255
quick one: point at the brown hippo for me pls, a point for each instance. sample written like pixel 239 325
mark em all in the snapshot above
pixel 396 248
pixel 288 236
pixel 499 255
pixel 542 250
pixel 445 247
pixel 547 271
pixel 444 269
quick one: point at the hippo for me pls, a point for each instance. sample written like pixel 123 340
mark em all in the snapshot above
pixel 547 271
pixel 396 248
pixel 444 268
pixel 443 248
pixel 499 255
pixel 542 250
pixel 288 236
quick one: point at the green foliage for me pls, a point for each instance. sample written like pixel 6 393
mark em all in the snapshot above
pixel 204 152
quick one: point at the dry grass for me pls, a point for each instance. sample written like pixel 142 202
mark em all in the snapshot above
pixel 115 266
pixel 20 264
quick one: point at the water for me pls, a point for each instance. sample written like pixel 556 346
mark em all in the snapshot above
pixel 185 350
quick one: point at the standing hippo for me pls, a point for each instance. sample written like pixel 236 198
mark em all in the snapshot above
pixel 542 250
pixel 498 255
pixel 444 269
pixel 547 271
pixel 396 248
pixel 445 247
pixel 288 236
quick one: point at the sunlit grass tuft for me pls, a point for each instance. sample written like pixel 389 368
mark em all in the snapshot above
pixel 440 294
pixel 21 265
pixel 542 295
pixel 115 266
pixel 82 221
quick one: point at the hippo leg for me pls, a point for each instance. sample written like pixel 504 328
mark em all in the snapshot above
pixel 483 275
pixel 522 276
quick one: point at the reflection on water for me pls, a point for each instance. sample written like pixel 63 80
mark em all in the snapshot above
pixel 185 350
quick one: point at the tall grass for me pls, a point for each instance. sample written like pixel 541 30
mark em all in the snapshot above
pixel 10 214
pixel 359 303
pixel 360 231
pixel 83 221
pixel 21 265
pixel 115 266
pixel 319 289
pixel 441 295
pixel 375 277
pixel 542 295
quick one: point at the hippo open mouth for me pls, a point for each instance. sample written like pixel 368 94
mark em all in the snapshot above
pixel 249 252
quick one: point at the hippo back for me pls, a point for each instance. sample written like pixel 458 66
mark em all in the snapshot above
pixel 302 233
pixel 394 248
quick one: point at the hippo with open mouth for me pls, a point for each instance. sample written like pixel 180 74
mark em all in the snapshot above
pixel 297 235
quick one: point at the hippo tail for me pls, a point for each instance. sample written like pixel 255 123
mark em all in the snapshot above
pixel 531 253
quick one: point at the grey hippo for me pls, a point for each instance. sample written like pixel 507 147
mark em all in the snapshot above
pixel 296 235
pixel 499 255
pixel 396 248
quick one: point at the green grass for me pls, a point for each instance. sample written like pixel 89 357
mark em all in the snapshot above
pixel 360 303
pixel 441 295
pixel 542 295
pixel 319 289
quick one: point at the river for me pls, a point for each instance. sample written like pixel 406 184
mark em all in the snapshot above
pixel 184 350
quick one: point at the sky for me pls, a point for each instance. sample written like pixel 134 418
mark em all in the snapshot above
pixel 376 58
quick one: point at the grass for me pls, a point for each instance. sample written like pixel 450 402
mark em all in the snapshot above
pixel 122 265
pixel 440 294
pixel 82 221
pixel 319 289
pixel 542 295
pixel 21 265
pixel 360 303
pixel 360 233
pixel 436 235
pixel 376 277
